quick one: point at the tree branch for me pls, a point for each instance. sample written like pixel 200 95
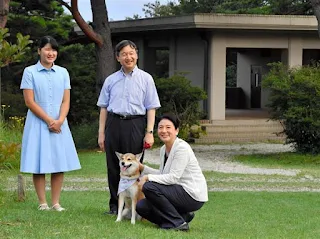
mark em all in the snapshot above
pixel 90 33
pixel 85 27
pixel 4 11
pixel 65 4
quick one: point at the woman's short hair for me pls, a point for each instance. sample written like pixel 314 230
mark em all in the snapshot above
pixel 123 44
pixel 48 40
pixel 172 117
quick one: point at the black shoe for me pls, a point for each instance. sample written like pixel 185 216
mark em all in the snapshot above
pixel 111 212
pixel 183 227
pixel 189 216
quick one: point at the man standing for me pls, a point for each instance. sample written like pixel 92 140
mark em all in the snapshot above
pixel 128 101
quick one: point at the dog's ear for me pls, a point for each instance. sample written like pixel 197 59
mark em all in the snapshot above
pixel 119 155
pixel 138 156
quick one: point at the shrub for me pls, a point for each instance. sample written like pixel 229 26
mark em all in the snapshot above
pixel 9 155
pixel 85 136
pixel 13 105
pixel 295 99
pixel 178 96
pixel 84 96
pixel 10 146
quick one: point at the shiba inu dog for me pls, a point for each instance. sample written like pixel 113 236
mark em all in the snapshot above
pixel 129 192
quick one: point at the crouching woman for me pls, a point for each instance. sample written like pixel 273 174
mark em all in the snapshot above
pixel 178 188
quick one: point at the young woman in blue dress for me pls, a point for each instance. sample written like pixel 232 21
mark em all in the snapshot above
pixel 47 143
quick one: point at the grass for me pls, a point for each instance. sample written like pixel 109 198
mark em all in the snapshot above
pixel 226 215
pixel 10 134
pixel 244 210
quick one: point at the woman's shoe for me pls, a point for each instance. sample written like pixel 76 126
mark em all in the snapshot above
pixel 183 227
pixel 43 207
pixel 189 216
pixel 57 207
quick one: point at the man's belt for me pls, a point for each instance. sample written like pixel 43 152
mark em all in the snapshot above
pixel 125 117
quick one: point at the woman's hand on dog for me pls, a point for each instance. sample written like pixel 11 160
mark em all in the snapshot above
pixel 141 167
pixel 142 180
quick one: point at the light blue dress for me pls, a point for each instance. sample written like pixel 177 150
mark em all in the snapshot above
pixel 44 151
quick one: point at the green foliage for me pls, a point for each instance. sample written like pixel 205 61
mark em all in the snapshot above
pixel 38 18
pixel 182 7
pixel 231 75
pixel 10 53
pixel 15 103
pixel 81 64
pixel 9 155
pixel 85 136
pixel 295 99
pixel 10 138
pixel 178 96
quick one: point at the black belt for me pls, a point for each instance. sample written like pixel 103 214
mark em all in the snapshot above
pixel 125 117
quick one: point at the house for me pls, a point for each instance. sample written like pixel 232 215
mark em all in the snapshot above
pixel 202 44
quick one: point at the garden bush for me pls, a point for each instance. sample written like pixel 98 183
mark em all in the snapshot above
pixel 178 96
pixel 10 145
pixel 85 135
pixel 295 100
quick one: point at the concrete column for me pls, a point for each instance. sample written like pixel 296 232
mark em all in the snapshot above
pixel 217 78
pixel 172 56
pixel 295 52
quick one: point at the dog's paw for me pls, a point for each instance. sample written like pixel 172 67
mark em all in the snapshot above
pixel 118 220
pixel 133 222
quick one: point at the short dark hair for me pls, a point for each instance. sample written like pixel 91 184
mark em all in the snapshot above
pixel 172 117
pixel 123 44
pixel 48 39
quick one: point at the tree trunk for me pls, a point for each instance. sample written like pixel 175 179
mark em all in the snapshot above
pixel 100 34
pixel 4 11
pixel 316 10
pixel 105 54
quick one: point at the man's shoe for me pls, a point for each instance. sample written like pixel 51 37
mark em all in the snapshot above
pixel 189 216
pixel 183 227
pixel 111 212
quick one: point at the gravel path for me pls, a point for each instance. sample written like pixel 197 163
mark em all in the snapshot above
pixel 218 157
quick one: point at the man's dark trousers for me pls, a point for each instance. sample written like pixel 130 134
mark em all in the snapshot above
pixel 123 136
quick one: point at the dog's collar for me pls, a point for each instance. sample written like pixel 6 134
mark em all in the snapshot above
pixel 130 177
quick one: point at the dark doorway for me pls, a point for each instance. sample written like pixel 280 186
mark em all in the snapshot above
pixel 256 86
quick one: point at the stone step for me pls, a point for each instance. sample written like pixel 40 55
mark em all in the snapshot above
pixel 248 130
pixel 242 134
pixel 239 140
pixel 239 122
pixel 242 128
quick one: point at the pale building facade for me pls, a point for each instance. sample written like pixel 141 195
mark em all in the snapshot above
pixel 199 44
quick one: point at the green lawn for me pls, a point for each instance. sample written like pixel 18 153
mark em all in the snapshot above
pixel 226 215
pixel 233 213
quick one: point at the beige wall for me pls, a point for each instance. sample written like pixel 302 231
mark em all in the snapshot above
pixel 291 52
pixel 187 54
pixel 190 58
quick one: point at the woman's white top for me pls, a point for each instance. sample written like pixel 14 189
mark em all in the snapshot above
pixel 181 168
